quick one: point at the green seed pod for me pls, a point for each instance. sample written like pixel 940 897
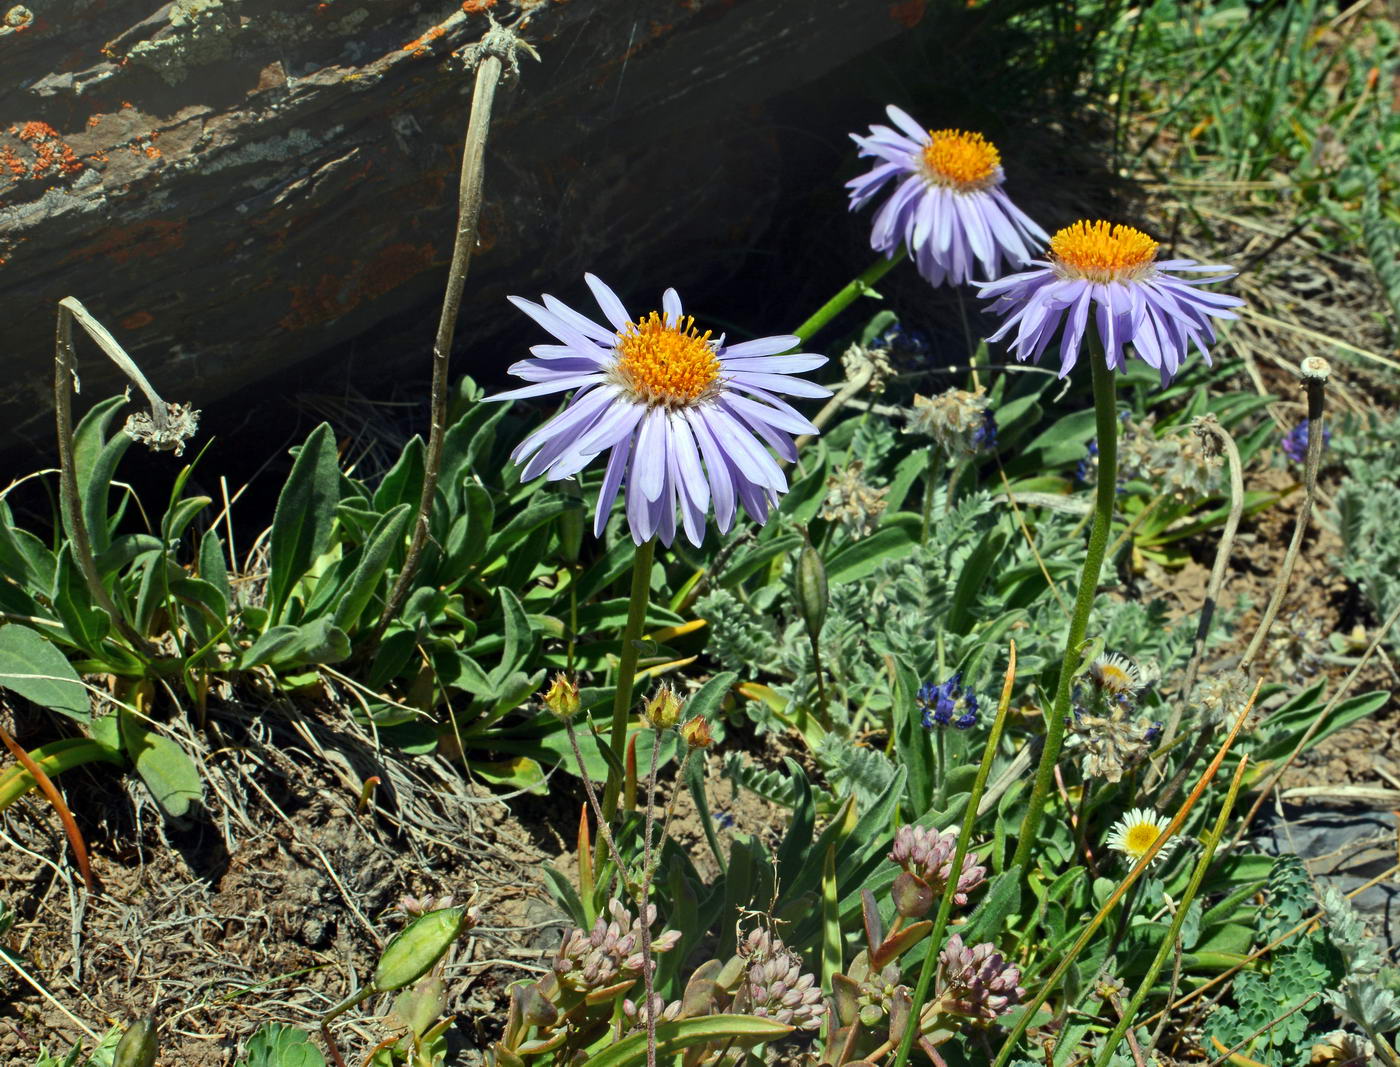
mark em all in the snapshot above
pixel 137 1048
pixel 811 589
pixel 417 947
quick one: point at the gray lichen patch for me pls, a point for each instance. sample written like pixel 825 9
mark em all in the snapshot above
pixel 200 32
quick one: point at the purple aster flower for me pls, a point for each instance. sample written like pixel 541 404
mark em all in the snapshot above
pixel 684 417
pixel 947 207
pixel 1295 441
pixel 947 704
pixel 1137 300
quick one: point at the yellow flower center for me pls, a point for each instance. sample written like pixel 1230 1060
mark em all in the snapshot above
pixel 961 160
pixel 1113 677
pixel 1139 838
pixel 666 365
pixel 1102 252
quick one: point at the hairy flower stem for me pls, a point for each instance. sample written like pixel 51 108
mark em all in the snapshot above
pixel 644 897
pixel 65 378
pixel 847 296
pixel 627 672
pixel 950 890
pixel 488 74
pixel 930 484
pixel 1316 386
pixel 1106 418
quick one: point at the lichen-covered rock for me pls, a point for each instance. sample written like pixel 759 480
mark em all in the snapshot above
pixel 235 185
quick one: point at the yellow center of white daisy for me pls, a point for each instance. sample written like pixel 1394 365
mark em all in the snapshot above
pixel 1102 252
pixel 962 161
pixel 666 364
pixel 1139 838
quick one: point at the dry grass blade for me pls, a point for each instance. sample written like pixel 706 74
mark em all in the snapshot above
pixel 50 791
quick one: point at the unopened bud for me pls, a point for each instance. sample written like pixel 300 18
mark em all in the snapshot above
pixel 417 947
pixel 664 709
pixel 137 1048
pixel 810 587
pixel 696 733
pixel 562 698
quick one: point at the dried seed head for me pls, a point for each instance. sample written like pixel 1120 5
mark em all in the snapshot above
pixel 852 501
pixel 858 360
pixel 164 435
pixel 1315 368
pixel 960 421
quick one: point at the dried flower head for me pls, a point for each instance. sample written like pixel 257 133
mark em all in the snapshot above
pixel 695 732
pixel 1222 696
pixel 977 982
pixel 852 501
pixel 1296 646
pixel 167 434
pixel 947 207
pixel 609 953
pixel 1138 301
pixel 960 421
pixel 928 856
pixel 1136 832
pixel 1112 737
pixel 947 704
pixel 663 710
pixel 775 985
pixel 874 360
pixel 562 697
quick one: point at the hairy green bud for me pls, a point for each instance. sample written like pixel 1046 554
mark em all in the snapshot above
pixel 811 589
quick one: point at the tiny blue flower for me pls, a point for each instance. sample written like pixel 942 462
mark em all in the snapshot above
pixel 1295 441
pixel 947 704
pixel 1081 472
pixel 985 436
pixel 906 339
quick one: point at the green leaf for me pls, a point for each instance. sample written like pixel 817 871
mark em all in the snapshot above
pixel 404 482
pixel 211 564
pixel 93 491
pixel 33 668
pixel 863 557
pixel 276 1045
pixel 359 590
pixel 164 766
pixel 86 624
pixel 282 647
pixel 301 524
pixel 735 1030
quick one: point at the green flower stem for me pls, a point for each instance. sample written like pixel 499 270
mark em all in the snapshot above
pixel 1106 413
pixel 847 296
pixel 945 905
pixel 627 669
pixel 1174 931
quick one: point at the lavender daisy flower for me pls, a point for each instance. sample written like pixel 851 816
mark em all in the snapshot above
pixel 947 207
pixel 1295 441
pixel 684 417
pixel 1137 300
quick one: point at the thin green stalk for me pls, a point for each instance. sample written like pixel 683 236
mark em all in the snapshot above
pixel 945 905
pixel 627 668
pixel 934 455
pixel 1174 931
pixel 1106 416
pixel 847 296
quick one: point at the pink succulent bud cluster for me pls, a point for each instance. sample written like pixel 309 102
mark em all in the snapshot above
pixel 775 986
pixel 609 953
pixel 928 855
pixel 977 982
pixel 636 1014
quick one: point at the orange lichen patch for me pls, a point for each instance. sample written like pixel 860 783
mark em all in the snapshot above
pixel 12 163
pixel 961 160
pixel 137 320
pixel 419 45
pixel 475 7
pixel 51 152
pixel 908 13
pixel 93 120
pixel 331 297
pixel 1102 252
pixel 144 240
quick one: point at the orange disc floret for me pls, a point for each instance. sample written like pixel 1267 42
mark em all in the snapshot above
pixel 671 365
pixel 1102 251
pixel 960 159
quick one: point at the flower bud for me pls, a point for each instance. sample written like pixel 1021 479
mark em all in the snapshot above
pixel 811 589
pixel 696 733
pixel 562 698
pixel 664 709
pixel 417 947
pixel 137 1048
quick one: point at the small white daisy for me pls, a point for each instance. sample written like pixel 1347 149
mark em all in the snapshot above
pixel 1116 675
pixel 1136 832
